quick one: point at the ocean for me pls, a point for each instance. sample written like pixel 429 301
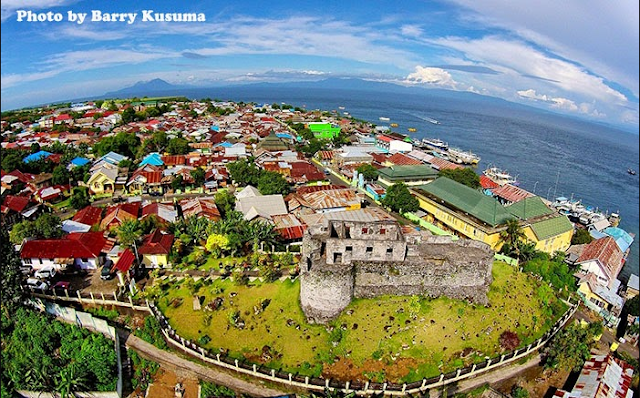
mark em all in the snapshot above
pixel 551 155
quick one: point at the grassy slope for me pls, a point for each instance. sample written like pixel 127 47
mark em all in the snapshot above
pixel 432 332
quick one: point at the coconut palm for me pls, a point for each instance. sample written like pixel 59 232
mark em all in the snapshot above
pixel 129 234
pixel 511 238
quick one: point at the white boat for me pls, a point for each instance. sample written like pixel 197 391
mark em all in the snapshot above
pixel 500 177
pixel 341 108
pixel 434 121
pixel 384 119
pixel 436 143
pixel 463 157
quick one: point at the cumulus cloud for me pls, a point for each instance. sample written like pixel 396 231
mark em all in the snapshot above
pixel 411 30
pixel 561 103
pixel 431 76
pixel 8 7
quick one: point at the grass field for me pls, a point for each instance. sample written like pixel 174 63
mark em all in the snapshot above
pixel 397 338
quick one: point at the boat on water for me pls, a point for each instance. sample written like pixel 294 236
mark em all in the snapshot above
pixel 434 121
pixel 394 125
pixel 463 157
pixel 341 107
pixel 436 143
pixel 631 171
pixel 412 129
pixel 500 177
pixel 384 119
pixel 585 215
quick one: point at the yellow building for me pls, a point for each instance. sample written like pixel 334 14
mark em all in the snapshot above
pixel 469 213
pixel 155 249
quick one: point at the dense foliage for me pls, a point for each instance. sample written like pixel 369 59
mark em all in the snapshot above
pixel 369 173
pixel 571 347
pixel 581 236
pixel 272 183
pixel 41 354
pixel 46 226
pixel 464 176
pixel 11 293
pixel 552 269
pixel 399 199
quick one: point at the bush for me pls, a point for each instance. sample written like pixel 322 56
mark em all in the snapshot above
pixel 509 340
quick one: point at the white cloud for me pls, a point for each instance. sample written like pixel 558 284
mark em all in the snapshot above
pixel 431 76
pixel 562 103
pixel 411 30
pixel 531 94
pixel 8 7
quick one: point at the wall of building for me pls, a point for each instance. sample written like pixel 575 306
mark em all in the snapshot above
pixel 365 260
pixel 550 245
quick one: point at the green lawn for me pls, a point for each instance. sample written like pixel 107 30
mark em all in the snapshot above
pixel 400 338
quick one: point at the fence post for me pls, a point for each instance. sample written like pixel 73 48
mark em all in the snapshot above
pixel 326 383
pixel 366 386
pixel 306 380
pixel 115 296
pixel 66 293
pixel 502 358
pixel 202 352
pixel 384 386
pixel 79 296
pixel 458 373
pixel 488 363
pixel 183 346
pixel 273 373
pixel 473 369
pixel 404 387
pixel 93 299
pixel 346 386
pixel 218 357
pixel 102 295
pixel 290 379
pixel 254 369
pixel 237 367
pixel 441 377
pixel 424 383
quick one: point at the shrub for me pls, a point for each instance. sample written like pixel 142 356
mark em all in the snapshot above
pixel 509 340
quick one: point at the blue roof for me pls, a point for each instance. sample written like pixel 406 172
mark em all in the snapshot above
pixel 113 158
pixel 153 159
pixel 215 128
pixel 36 156
pixel 623 239
pixel 225 144
pixel 79 161
pixel 284 135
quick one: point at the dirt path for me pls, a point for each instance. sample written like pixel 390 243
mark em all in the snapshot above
pixel 186 368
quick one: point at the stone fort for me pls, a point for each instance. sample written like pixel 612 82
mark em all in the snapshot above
pixel 346 259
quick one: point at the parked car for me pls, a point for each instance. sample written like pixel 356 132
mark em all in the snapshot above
pixel 117 199
pixel 107 270
pixel 155 193
pixel 46 272
pixel 35 283
pixel 26 269
pixel 62 285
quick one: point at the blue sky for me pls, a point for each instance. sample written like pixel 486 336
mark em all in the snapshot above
pixel 579 57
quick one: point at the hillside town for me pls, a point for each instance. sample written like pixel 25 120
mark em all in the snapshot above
pixel 103 196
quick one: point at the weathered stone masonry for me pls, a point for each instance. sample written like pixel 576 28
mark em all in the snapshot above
pixel 347 259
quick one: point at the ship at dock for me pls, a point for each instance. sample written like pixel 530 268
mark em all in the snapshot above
pixel 435 143
pixel 587 216
pixel 500 177
pixel 384 119
pixel 462 157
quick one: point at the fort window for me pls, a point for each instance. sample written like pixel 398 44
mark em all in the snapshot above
pixel 348 249
pixel 365 230
pixel 389 250
pixel 369 249
pixel 382 231
pixel 347 232
pixel 337 257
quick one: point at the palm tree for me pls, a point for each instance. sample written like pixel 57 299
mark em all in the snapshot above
pixel 129 234
pixel 511 237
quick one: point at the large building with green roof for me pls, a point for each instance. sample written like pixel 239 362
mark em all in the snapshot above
pixel 411 175
pixel 323 131
pixel 470 213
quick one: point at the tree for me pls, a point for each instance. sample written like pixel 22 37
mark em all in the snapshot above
pixel 129 234
pixel 570 348
pixel 399 199
pixel 128 115
pixel 511 237
pixel 80 198
pixel 49 226
pixel 271 183
pixel 581 236
pixel 216 244
pixel 177 182
pixel 178 146
pixel 11 293
pixel 464 176
pixel 60 175
pixel 244 173
pixel 198 175
pixel 225 201
pixel 11 160
pixel 369 173
pixel 509 340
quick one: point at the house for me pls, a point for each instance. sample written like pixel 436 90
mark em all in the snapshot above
pixel 155 249
pixel 153 159
pixel 165 212
pixel 508 193
pixel 602 376
pixel 124 267
pixel 83 220
pixel 289 227
pixel 81 249
pixel 255 205
pixel 323 130
pixel 602 299
pixel 103 179
pixel 36 156
pixel 146 179
pixel 16 208
pixel 603 258
pixel 116 215
pixel 111 158
pixel 632 287
pixel 323 200
pixel 198 207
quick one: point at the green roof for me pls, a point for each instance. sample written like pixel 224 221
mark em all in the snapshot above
pixel 467 200
pixel 529 208
pixel 551 227
pixel 411 171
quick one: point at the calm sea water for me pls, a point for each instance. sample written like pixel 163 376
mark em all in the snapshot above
pixel 551 155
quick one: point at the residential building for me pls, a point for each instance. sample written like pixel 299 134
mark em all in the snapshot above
pixel 323 130
pixel 603 258
pixel 155 249
pixel 602 376
pixel 84 250
pixel 411 175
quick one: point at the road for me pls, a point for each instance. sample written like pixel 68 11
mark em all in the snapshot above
pixel 179 365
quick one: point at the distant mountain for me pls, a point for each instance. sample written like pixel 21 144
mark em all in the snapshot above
pixel 154 86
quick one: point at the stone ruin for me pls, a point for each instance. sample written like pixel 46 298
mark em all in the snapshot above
pixel 347 259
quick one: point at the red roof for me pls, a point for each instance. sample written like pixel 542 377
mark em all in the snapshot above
pixel 89 215
pixel 607 252
pixel 16 203
pixel 291 233
pixel 157 242
pixel 74 245
pixel 443 164
pixel 315 188
pixel 125 261
pixel 403 160
pixel 381 137
pixel 511 193
pixel 488 183
pixel 306 170
pixel 174 160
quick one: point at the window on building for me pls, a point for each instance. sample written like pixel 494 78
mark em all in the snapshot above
pixel 383 231
pixel 27 261
pixel 369 249
pixel 365 230
pixel 85 260
pixel 348 249
pixel 389 250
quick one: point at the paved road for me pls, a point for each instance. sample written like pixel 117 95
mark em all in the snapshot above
pixel 179 365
